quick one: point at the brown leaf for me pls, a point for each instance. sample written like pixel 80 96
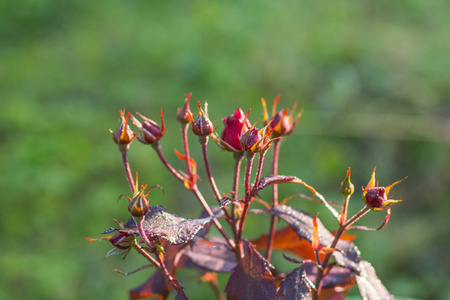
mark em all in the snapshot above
pixel 339 279
pixel 251 278
pixel 370 286
pixel 294 286
pixel 277 179
pixel 286 239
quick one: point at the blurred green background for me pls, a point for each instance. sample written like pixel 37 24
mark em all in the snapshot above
pixel 372 77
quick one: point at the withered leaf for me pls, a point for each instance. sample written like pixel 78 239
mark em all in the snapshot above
pixel 370 286
pixel 213 255
pixel 301 222
pixel 159 223
pixel 155 286
pixel 294 286
pixel 251 278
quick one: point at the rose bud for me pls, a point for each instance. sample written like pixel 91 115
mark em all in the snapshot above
pixel 123 135
pixel 184 113
pixel 377 197
pixel 202 126
pixel 281 122
pixel 347 187
pixel 150 130
pixel 253 141
pixel 234 125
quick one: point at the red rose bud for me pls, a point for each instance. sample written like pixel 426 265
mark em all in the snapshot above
pixel 377 197
pixel 122 240
pixel 150 130
pixel 281 122
pixel 250 139
pixel 123 134
pixel 202 126
pixel 234 125
pixel 184 113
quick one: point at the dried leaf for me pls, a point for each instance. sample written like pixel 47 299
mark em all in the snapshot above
pixel 213 255
pixel 159 223
pixel 301 223
pixel 286 239
pixel 155 286
pixel 294 286
pixel 251 278
pixel 370 286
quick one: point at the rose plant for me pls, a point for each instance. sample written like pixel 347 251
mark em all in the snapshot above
pixel 326 264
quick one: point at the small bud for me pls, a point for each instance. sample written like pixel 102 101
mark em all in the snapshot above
pixel 138 206
pixel 253 141
pixel 281 122
pixel 377 197
pixel 347 187
pixel 184 113
pixel 202 126
pixel 122 240
pixel 150 130
pixel 123 135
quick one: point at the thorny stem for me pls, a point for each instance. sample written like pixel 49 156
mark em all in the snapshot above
pixel 237 166
pixel 126 165
pixel 195 190
pixel 321 269
pixel 345 208
pixel 204 142
pixel 273 219
pixel 146 255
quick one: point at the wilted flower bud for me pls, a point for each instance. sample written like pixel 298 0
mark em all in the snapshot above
pixel 122 240
pixel 202 126
pixel 184 113
pixel 234 125
pixel 377 197
pixel 280 122
pixel 150 130
pixel 347 187
pixel 123 135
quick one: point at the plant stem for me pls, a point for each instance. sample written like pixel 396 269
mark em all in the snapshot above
pixel 184 135
pixel 324 264
pixel 157 147
pixel 126 165
pixel 204 142
pixel 273 219
pixel 248 171
pixel 195 190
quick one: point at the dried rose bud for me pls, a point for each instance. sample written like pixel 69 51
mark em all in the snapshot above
pixel 150 130
pixel 122 240
pixel 377 197
pixel 234 125
pixel 123 134
pixel 202 126
pixel 184 113
pixel 281 123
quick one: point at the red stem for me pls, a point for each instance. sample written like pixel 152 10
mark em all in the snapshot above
pixel 273 219
pixel 126 165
